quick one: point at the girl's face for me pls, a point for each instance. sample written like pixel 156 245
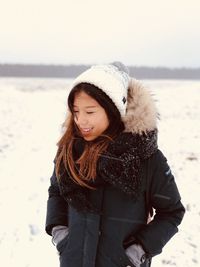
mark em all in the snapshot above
pixel 89 116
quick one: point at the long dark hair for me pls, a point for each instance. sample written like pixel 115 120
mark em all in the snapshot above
pixel 87 162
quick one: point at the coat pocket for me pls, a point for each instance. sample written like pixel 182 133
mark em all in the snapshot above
pixel 121 259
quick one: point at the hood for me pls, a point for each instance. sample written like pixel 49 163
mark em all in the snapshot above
pixel 141 113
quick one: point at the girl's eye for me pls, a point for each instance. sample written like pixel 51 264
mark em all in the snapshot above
pixel 88 112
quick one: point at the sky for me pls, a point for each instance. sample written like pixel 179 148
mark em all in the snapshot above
pixel 139 33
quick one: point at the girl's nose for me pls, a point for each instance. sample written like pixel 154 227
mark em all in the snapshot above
pixel 81 119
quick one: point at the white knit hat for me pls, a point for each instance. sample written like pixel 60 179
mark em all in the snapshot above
pixel 112 79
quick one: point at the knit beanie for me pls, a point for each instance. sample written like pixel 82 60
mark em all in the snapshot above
pixel 113 79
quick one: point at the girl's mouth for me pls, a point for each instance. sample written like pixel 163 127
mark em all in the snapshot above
pixel 86 130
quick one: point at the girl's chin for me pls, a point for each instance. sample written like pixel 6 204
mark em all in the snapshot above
pixel 89 138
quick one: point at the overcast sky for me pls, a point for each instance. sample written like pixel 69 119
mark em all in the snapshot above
pixel 143 32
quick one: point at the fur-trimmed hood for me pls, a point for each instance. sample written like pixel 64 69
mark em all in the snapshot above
pixel 141 114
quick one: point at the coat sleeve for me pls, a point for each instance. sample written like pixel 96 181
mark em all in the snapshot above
pixel 57 207
pixel 164 197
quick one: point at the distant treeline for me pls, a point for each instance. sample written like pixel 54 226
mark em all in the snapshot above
pixel 70 71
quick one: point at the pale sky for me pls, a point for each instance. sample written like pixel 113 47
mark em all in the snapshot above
pixel 143 32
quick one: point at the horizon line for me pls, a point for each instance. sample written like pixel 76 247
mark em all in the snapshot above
pixel 87 64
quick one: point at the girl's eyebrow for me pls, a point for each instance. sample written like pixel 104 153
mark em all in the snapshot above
pixel 86 106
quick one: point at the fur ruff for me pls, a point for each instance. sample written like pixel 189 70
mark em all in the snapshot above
pixel 141 113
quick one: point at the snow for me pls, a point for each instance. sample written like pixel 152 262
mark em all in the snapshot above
pixel 32 111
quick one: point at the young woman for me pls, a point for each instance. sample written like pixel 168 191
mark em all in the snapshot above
pixel 109 174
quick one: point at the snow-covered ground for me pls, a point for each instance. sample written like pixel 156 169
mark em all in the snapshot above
pixel 31 114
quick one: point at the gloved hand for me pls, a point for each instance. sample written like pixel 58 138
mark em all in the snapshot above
pixel 59 232
pixel 136 254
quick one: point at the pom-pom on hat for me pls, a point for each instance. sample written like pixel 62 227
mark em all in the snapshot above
pixel 113 79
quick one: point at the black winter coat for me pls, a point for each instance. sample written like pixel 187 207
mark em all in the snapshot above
pixel 100 239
